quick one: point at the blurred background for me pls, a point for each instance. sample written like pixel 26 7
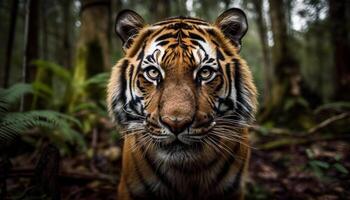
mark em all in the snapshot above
pixel 57 142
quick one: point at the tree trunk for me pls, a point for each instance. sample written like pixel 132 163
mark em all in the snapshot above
pixel 32 48
pixel 286 83
pixel 160 9
pixel 258 7
pixel 67 50
pixel 93 53
pixel 45 49
pixel 341 48
pixel 179 7
pixel 227 4
pixel 10 40
pixel 31 45
pixel 94 34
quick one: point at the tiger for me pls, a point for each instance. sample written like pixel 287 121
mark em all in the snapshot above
pixel 183 100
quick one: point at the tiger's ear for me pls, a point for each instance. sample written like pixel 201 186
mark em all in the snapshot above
pixel 233 24
pixel 128 24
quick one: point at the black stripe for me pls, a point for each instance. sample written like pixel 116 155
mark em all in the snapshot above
pixel 215 35
pixel 164 22
pixel 131 70
pixel 150 58
pixel 234 188
pixel 237 79
pixel 165 54
pixel 210 60
pixel 216 44
pixel 141 88
pixel 132 106
pixel 120 98
pixel 198 44
pixel 199 29
pixel 218 87
pixel 198 22
pixel 144 183
pixel 243 106
pixel 140 57
pixel 238 85
pixel 128 189
pixel 230 106
pixel 226 167
pixel 196 37
pixel 228 74
pixel 227 51
pixel 123 77
pixel 219 55
pixel 142 53
pixel 212 33
pixel 157 32
pixel 166 36
pixel 161 176
pixel 173 46
pixel 180 25
pixel 163 43
pixel 143 38
pixel 133 103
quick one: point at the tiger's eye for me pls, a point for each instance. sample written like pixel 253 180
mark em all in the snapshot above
pixel 153 74
pixel 205 74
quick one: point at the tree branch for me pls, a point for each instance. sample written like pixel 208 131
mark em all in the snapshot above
pixel 282 131
pixel 328 121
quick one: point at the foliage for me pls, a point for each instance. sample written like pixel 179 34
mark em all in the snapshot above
pixel 71 95
pixel 13 124
pixel 256 192
pixel 320 167
pixel 63 86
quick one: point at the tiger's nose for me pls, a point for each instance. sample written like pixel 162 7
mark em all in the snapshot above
pixel 176 124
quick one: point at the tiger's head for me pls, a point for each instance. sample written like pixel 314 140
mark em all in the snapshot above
pixel 181 80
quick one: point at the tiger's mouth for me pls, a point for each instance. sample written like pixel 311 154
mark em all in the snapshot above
pixel 179 146
pixel 187 139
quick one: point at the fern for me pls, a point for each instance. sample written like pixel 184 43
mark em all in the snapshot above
pixel 10 96
pixel 99 80
pixel 56 69
pixel 12 124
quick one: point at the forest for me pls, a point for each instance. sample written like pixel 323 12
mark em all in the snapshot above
pixel 58 142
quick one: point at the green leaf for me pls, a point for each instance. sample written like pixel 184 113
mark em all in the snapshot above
pixel 317 171
pixel 15 124
pixel 339 167
pixel 303 102
pixel 10 96
pixel 288 104
pixel 100 80
pixel 309 153
pixel 338 157
pixel 42 89
pixel 56 69
pixel 320 164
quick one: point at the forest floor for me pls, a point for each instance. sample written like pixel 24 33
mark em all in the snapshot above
pixel 308 171
pixel 314 169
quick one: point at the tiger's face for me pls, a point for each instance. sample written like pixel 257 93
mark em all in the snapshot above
pixel 182 83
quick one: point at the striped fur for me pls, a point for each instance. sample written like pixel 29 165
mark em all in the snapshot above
pixel 209 157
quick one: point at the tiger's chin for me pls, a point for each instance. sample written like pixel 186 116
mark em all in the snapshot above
pixel 179 154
